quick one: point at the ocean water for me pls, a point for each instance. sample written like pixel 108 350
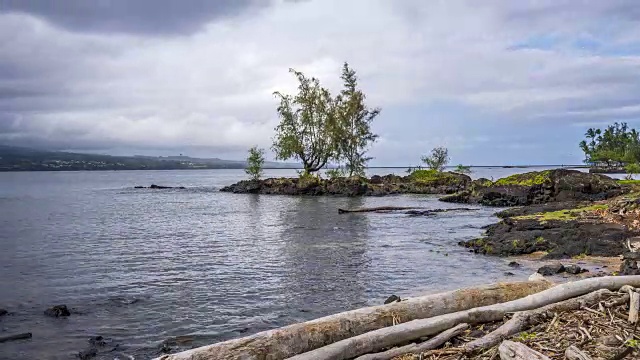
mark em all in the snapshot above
pixel 140 267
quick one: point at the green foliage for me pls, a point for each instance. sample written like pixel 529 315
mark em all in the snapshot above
pixel 613 146
pixel 255 162
pixel 438 159
pixel 306 122
pixel 632 169
pixel 632 343
pixel 433 176
pixel 461 169
pixel 563 215
pixel 352 130
pixel 526 179
pixel 629 182
pixel 539 240
pixel 316 127
pixel 335 173
pixel 524 336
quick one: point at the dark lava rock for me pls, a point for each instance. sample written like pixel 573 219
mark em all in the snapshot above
pixel 514 264
pixel 3 312
pixel 89 354
pixel 539 187
pixel 629 267
pixel 420 213
pixel 573 269
pixel 154 186
pixel 392 299
pixel 443 183
pixel 559 238
pixel 631 256
pixel 509 273
pixel 139 187
pixel 57 311
pixel 97 341
pixel 165 348
pixel 549 270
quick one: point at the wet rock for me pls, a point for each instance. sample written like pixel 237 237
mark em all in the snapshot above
pixel 629 267
pixel 165 348
pixel 514 264
pixel 3 312
pixel 508 273
pixel 549 270
pixel 573 269
pixel 420 213
pixel 392 299
pixel 139 187
pixel 57 311
pixel 89 354
pixel 97 341
pixel 631 256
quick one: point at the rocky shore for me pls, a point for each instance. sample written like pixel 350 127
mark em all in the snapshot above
pixel 421 182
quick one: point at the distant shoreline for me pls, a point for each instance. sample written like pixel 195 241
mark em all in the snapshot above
pixel 283 168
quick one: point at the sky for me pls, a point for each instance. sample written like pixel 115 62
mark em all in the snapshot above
pixel 496 82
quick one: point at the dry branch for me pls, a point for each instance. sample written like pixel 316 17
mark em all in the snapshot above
pixel 634 306
pixel 389 336
pixel 525 319
pixel 510 350
pixel 303 337
pixel 432 343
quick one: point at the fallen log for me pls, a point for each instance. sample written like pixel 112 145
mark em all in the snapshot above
pixel 510 350
pixel 430 344
pixel 379 208
pixel 377 340
pixel 299 338
pixel 15 337
pixel 525 319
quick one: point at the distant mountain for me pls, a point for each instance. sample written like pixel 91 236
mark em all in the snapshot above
pixel 26 159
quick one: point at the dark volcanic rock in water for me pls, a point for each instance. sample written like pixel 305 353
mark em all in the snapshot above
pixel 539 187
pixel 89 354
pixel 514 264
pixel 549 270
pixel 427 183
pixel 392 299
pixel 57 311
pixel 3 312
pixel 158 187
pixel 573 269
pixel 629 267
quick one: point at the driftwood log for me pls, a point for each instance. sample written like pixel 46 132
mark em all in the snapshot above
pixel 525 319
pixel 296 339
pixel 430 344
pixel 510 350
pixel 15 337
pixel 422 210
pixel 377 340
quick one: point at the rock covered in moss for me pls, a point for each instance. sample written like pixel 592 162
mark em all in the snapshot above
pixel 539 187
pixel 426 182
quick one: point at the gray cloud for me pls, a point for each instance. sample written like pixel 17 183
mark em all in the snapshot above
pixel 445 73
pixel 153 17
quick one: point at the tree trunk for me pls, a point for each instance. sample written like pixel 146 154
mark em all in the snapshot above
pixel 377 340
pixel 295 339
pixel 430 344
pixel 523 320
pixel 510 350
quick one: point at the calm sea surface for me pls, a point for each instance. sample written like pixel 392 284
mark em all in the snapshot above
pixel 141 266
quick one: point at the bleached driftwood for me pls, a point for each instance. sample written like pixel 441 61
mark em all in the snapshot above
pixel 299 338
pixel 634 306
pixel 510 350
pixel 432 343
pixel 525 319
pixel 573 353
pixel 386 337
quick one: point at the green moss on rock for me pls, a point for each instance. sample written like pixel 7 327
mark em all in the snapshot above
pixel 526 179
pixel 562 215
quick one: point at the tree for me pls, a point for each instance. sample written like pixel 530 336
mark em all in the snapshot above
pixel 461 169
pixel 306 123
pixel 438 159
pixel 352 130
pixel 632 169
pixel 255 162
pixel 614 146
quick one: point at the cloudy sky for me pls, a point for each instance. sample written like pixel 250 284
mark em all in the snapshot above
pixel 497 82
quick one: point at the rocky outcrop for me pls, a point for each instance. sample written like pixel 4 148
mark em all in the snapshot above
pixel 538 188
pixel 436 183
pixel 58 311
pixel 159 187
pixel 3 312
